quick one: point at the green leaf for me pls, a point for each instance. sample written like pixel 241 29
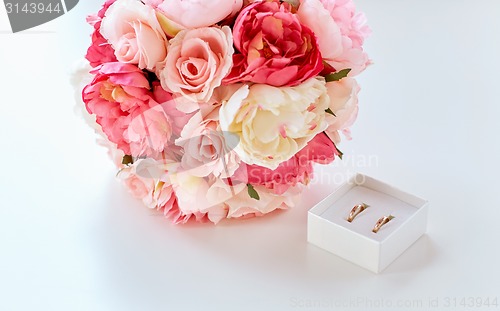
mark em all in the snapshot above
pixel 341 154
pixel 330 112
pixel 337 76
pixel 252 192
pixel 127 159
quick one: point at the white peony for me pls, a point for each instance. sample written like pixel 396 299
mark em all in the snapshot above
pixel 274 123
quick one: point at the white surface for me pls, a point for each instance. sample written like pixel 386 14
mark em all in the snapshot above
pixel 328 228
pixel 71 238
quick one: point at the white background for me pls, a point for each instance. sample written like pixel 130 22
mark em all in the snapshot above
pixel 71 238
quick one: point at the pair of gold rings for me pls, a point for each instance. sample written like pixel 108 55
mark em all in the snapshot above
pixel 359 208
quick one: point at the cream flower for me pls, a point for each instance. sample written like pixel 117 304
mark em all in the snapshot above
pixel 274 123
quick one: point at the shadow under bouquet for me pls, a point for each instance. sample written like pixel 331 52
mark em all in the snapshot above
pixel 218 109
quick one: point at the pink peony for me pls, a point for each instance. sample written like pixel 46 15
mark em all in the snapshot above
pixel 344 104
pixel 340 32
pixel 195 13
pixel 275 48
pixel 149 130
pixel 197 61
pixel 320 149
pixel 100 51
pixel 120 98
pixel 135 34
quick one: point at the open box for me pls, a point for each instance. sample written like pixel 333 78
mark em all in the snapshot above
pixel 328 228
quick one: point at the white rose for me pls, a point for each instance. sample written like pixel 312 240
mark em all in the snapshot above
pixel 135 34
pixel 274 123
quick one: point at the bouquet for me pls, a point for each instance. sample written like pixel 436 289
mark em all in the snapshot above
pixel 219 109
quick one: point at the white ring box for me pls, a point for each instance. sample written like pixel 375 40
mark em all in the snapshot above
pixel 328 228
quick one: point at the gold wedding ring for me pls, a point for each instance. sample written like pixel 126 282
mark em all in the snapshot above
pixel 356 210
pixel 381 222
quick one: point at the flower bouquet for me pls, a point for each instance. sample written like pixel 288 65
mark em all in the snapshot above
pixel 218 109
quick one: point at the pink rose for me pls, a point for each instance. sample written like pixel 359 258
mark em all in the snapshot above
pixel 195 13
pixel 275 48
pixel 197 61
pixel 100 51
pixel 340 32
pixel 120 98
pixel 135 34
pixel 344 104
pixel 205 149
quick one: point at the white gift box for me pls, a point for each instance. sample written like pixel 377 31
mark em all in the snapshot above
pixel 328 228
